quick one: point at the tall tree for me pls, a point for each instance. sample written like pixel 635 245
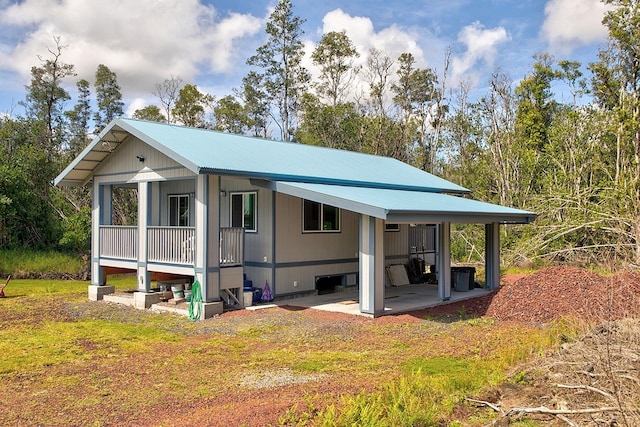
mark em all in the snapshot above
pixel 46 97
pixel 256 104
pixel 230 116
pixel 416 93
pixel 79 119
pixel 191 106
pixel 108 97
pixel 283 76
pixel 335 56
pixel 168 92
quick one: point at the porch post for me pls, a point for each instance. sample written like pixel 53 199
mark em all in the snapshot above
pixel 100 193
pixel 144 198
pixel 444 261
pixel 371 265
pixel 492 255
pixel 202 234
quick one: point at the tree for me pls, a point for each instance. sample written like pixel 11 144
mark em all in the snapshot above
pixel 108 97
pixel 617 88
pixel 256 104
pixel 230 116
pixel 151 113
pixel 335 55
pixel 46 97
pixel 283 79
pixel 417 96
pixel 191 106
pixel 79 119
pixel 167 92
pixel 26 217
pixel 334 126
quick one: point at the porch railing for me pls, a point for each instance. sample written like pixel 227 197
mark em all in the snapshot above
pixel 231 246
pixel 120 242
pixel 172 245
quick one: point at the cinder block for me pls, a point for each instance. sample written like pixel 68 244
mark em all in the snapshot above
pixel 97 292
pixel 142 300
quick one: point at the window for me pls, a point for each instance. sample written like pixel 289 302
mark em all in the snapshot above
pixel 243 211
pixel 320 217
pixel 391 227
pixel 179 210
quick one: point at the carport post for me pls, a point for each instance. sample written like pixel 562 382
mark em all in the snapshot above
pixel 444 261
pixel 492 255
pixel 371 265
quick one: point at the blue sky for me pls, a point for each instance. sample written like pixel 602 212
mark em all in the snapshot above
pixel 206 42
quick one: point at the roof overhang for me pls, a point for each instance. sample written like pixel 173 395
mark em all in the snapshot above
pixel 402 206
pixel 80 170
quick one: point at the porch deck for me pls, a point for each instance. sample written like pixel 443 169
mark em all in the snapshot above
pixel 397 300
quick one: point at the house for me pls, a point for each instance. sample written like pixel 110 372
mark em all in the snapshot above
pixel 220 207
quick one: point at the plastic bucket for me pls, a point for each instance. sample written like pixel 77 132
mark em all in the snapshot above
pixel 248 298
pixel 178 291
pixel 187 295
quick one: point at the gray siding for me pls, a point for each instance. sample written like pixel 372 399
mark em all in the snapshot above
pixel 301 257
pixel 123 165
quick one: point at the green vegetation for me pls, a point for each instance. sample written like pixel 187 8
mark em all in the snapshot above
pixel 13 261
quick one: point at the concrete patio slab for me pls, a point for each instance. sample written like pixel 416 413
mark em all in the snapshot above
pixel 400 299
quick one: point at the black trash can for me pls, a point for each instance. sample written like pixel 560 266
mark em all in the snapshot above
pixel 463 278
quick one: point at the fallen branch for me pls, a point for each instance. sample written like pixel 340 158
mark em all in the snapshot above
pixel 485 403
pixel 587 387
pixel 554 412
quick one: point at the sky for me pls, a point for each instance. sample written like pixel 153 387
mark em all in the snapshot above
pixel 207 42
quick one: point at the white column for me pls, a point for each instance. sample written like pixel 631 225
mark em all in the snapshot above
pixel 444 261
pixel 97 218
pixel 492 255
pixel 371 265
pixel 144 197
pixel 202 234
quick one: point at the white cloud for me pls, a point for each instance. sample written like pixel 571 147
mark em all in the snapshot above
pixel 136 104
pixel 393 40
pixel 143 42
pixel 481 46
pixel 572 23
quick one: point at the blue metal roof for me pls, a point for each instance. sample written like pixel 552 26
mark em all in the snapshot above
pixel 206 151
pixel 378 186
pixel 403 206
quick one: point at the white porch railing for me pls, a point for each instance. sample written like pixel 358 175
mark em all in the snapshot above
pixel 120 242
pixel 172 245
pixel 231 246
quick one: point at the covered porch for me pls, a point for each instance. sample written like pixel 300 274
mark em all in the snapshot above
pixel 378 207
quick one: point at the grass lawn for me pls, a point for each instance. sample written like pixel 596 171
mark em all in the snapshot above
pixel 67 361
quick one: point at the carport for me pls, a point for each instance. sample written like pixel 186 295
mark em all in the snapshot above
pixel 380 206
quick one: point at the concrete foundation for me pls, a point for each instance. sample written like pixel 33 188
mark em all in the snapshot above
pixel 210 309
pixel 142 300
pixel 97 293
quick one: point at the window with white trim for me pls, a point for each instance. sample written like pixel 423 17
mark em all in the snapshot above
pixel 318 217
pixel 244 211
pixel 179 210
